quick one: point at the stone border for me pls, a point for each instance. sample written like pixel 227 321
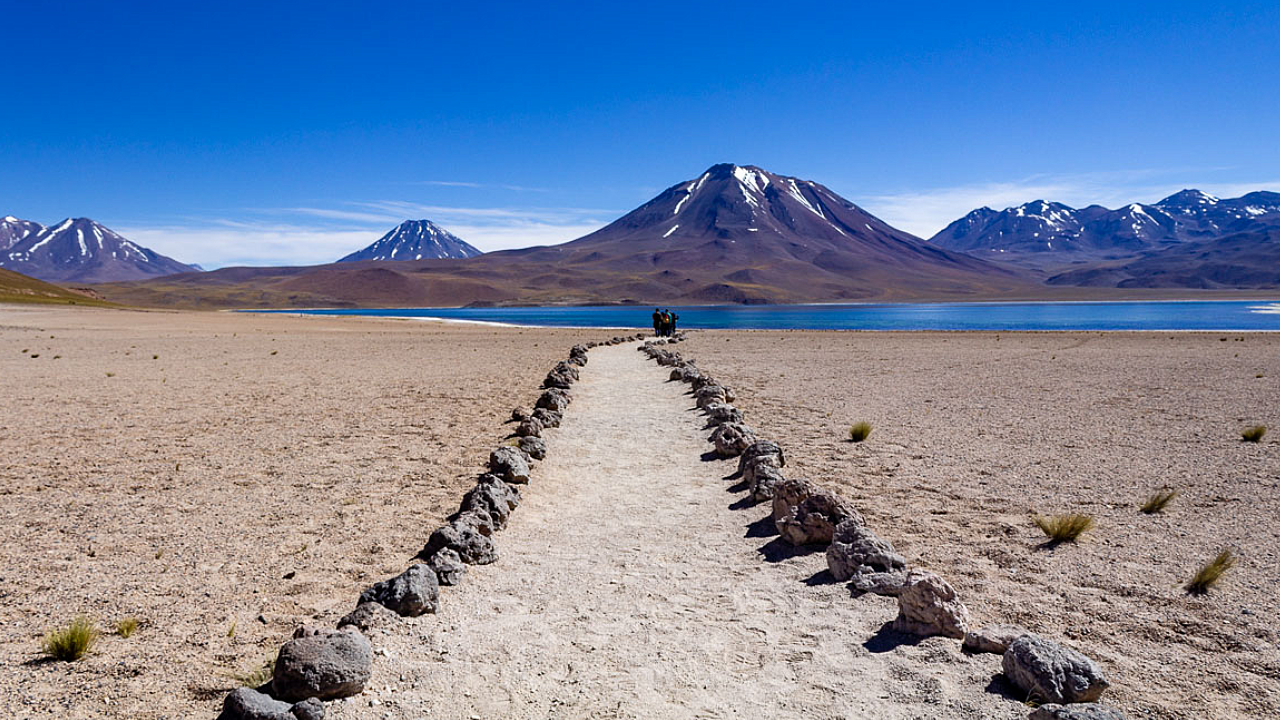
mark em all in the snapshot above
pixel 1068 683
pixel 323 664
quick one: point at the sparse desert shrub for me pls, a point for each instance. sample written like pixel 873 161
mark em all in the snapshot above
pixel 126 627
pixel 1207 577
pixel 256 678
pixel 1253 434
pixel 72 642
pixel 1157 502
pixel 1064 528
pixel 859 431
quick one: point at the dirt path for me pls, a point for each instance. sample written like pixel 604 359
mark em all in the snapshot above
pixel 632 584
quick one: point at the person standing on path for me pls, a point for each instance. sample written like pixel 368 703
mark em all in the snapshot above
pixel 671 326
pixel 657 322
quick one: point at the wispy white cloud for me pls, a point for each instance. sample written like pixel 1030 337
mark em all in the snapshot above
pixel 478 186
pixel 925 212
pixel 314 235
pixel 220 243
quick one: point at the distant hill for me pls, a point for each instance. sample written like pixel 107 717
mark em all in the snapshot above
pixel 1048 234
pixel 80 251
pixel 19 288
pixel 415 240
pixel 1247 260
pixel 732 234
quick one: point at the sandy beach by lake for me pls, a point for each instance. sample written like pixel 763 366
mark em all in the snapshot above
pixel 224 477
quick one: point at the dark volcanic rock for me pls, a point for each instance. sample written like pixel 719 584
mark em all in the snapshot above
pixel 510 464
pixel 855 550
pixel 412 592
pixel 1051 673
pixel 367 616
pixel 249 704
pixel 472 545
pixel 326 665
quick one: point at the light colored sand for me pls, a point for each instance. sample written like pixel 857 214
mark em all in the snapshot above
pixel 976 432
pixel 629 587
pixel 183 489
pixel 333 459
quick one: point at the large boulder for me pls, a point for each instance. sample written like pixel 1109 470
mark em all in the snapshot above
pixel 1077 711
pixel 992 638
pixel 530 428
pixel 789 494
pixel 855 550
pixel 534 447
pixel 448 566
pixel 731 439
pixel 1051 673
pixel 563 376
pixel 494 497
pixel 761 448
pixel 466 538
pixel 813 520
pixel 554 399
pixel 879 583
pixel 708 395
pixel 928 605
pixel 368 616
pixel 249 704
pixel 411 593
pixel 548 418
pixel 764 480
pixel 325 664
pixel 721 413
pixel 510 464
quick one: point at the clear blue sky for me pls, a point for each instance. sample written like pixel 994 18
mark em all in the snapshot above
pixel 264 133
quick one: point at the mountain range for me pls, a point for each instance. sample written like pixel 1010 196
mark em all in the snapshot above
pixel 732 234
pixel 1048 235
pixel 78 251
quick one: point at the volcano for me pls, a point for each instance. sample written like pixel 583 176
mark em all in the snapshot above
pixel 733 234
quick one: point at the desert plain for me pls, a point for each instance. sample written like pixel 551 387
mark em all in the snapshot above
pixel 223 477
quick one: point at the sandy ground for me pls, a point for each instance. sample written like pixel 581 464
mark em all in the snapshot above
pixel 975 433
pixel 631 584
pixel 182 489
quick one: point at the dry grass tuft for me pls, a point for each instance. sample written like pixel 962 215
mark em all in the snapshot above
pixel 1064 528
pixel 256 678
pixel 1157 502
pixel 859 431
pixel 127 627
pixel 72 642
pixel 1208 576
pixel 1253 434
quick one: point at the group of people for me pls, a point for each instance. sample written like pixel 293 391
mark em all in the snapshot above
pixel 664 322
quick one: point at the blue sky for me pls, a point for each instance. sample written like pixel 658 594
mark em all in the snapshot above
pixel 270 133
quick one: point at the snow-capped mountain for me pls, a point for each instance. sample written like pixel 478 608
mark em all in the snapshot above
pixel 81 250
pixel 738 232
pixel 1201 215
pixel 1040 231
pixel 415 240
pixel 14 231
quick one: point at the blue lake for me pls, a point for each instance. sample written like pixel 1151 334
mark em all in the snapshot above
pixel 1246 315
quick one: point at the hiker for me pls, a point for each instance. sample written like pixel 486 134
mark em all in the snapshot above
pixel 671 324
pixel 657 322
pixel 666 322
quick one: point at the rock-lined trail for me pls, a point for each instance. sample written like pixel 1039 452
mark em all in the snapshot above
pixel 633 582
